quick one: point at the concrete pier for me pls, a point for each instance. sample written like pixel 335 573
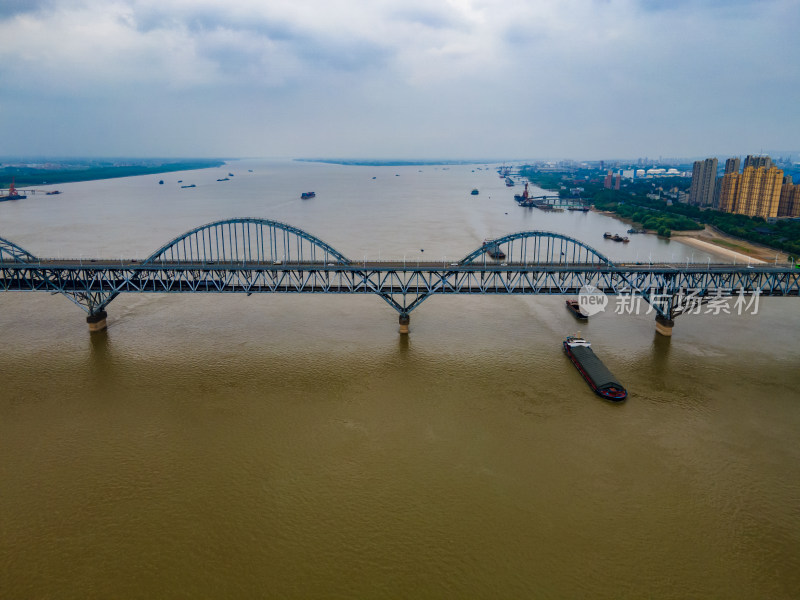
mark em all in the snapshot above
pixel 97 321
pixel 405 319
pixel 664 326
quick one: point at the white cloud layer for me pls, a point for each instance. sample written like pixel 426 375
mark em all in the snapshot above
pixel 400 78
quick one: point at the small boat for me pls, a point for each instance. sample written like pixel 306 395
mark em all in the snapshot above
pixel 224 179
pixel 475 192
pixel 230 174
pixel 575 309
pixel 189 186
pixel 160 182
pixel 53 193
pixel 596 374
pixel 249 170
pixel 493 250
pixel 634 230
pixel 509 182
pixel 307 195
pixel 579 208
pixel 616 237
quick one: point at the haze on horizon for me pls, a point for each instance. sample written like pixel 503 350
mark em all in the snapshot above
pixel 398 78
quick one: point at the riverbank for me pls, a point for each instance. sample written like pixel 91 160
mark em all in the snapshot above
pixel 75 171
pixel 714 241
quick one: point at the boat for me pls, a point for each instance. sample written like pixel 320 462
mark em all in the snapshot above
pixel 189 186
pixel 160 182
pixel 634 230
pixel 230 174
pixel 578 208
pixel 493 250
pixel 575 309
pixel 616 237
pixel 13 194
pixel 596 374
pixel 509 182
pixel 53 193
pixel 307 195
pixel 475 192
pixel 224 179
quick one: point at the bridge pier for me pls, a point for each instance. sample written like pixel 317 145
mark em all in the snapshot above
pixel 97 321
pixel 405 319
pixel 664 326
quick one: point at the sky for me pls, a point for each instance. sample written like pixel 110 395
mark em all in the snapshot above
pixel 501 79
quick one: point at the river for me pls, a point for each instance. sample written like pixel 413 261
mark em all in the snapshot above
pixel 298 447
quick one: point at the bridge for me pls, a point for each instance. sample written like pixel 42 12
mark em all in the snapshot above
pixel 250 255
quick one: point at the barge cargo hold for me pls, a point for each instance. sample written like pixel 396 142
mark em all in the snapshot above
pixel 599 378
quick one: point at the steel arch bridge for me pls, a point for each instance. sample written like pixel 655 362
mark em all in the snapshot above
pixel 9 251
pixel 250 255
pixel 539 247
pixel 247 240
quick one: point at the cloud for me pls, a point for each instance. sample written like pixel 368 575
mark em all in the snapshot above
pixel 524 77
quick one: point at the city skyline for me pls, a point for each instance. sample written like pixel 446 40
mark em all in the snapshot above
pixel 586 79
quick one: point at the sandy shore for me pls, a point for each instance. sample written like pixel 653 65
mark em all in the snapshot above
pixel 715 249
pixel 715 242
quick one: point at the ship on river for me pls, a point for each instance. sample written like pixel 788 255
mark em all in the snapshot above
pixel 493 250
pixel 596 374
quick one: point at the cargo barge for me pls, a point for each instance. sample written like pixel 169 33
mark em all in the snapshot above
pixel 574 307
pixel 596 374
pixel 493 250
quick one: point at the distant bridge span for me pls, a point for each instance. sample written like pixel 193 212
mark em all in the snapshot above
pixel 251 255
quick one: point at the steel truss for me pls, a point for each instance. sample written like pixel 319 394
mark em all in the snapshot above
pixel 263 256
pixel 94 286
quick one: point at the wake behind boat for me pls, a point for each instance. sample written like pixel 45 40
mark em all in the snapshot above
pixel 596 374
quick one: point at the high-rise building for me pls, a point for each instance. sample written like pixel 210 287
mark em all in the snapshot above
pixel 704 175
pixel 729 192
pixel 618 181
pixel 757 160
pixel 608 180
pixel 732 165
pixel 759 192
pixel 789 205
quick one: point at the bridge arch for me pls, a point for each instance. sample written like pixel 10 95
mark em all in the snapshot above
pixel 10 252
pixel 248 240
pixel 537 248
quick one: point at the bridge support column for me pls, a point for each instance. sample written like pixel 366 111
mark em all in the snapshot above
pixel 97 321
pixel 405 319
pixel 664 326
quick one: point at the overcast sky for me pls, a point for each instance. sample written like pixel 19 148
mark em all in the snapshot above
pixel 399 78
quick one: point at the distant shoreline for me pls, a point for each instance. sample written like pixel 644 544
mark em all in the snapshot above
pixel 27 176
pixel 394 163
